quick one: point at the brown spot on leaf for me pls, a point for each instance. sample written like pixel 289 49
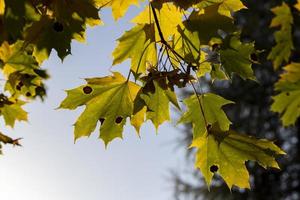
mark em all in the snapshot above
pixel 87 90
pixel 214 168
pixel 119 120
pixel 101 120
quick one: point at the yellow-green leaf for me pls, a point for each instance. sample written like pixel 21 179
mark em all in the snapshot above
pixel 12 111
pixel 211 106
pixel 236 57
pixel 225 7
pixel 225 153
pixel 281 52
pixel 169 18
pixel 108 100
pixel 287 102
pixel 157 102
pixel 212 21
pixel 137 44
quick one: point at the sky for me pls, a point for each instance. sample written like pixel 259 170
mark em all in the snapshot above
pixel 50 166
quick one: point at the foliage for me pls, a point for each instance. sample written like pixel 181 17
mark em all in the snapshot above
pixel 169 50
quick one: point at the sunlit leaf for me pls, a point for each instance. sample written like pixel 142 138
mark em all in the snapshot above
pixel 225 153
pixel 108 100
pixel 287 102
pixel 205 110
pixel 281 52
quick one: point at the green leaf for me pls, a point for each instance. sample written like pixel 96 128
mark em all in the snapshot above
pixel 225 153
pixel 212 21
pixel 284 42
pixel 12 110
pixel 108 100
pixel 65 21
pixel 18 14
pixel 287 102
pixel 24 77
pixel 225 7
pixel 211 106
pixel 157 102
pixel 139 45
pixel 236 57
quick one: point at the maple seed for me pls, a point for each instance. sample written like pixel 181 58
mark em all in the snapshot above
pixel 58 27
pixel 87 90
pixel 213 168
pixel 119 120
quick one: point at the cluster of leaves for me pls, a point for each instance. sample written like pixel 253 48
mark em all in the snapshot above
pixel 171 45
pixel 287 101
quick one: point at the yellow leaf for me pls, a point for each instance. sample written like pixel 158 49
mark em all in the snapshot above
pixel 169 17
pixel 225 153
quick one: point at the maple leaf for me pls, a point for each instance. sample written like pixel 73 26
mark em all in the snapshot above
pixel 187 44
pixel 225 7
pixel 24 77
pixel 225 153
pixel 169 18
pixel 211 106
pixel 157 103
pixel 11 110
pixel 108 100
pixel 18 14
pixel 211 20
pixel 287 102
pixel 65 21
pixel 284 43
pixel 235 57
pixel 138 45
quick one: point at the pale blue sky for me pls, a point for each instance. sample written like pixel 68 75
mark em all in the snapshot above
pixel 50 167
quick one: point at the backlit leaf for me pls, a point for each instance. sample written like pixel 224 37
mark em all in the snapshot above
pixel 281 52
pixel 211 107
pixel 139 45
pixel 287 102
pixel 108 100
pixel 225 153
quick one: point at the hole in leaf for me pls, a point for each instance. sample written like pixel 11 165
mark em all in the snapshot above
pixel 254 57
pixel 87 90
pixel 101 120
pixel 18 87
pixel 214 168
pixel 28 94
pixel 208 127
pixel 215 47
pixel 287 94
pixel 119 120
pixel 20 84
pixel 58 27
